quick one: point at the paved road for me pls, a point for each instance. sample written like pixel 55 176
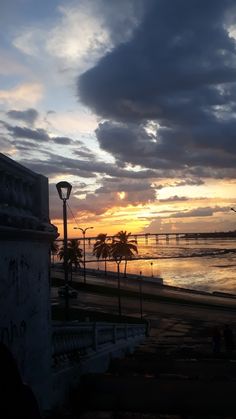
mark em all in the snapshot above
pixel 162 291
pixel 151 310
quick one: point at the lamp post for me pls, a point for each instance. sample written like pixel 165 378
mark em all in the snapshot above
pixel 64 190
pixel 83 232
pixel 140 294
pixel 151 268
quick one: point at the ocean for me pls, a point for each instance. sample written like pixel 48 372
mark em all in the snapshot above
pixel 200 264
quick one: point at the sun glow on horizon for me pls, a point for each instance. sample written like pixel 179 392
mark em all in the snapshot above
pixel 121 195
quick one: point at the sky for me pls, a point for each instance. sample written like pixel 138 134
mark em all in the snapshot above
pixel 132 101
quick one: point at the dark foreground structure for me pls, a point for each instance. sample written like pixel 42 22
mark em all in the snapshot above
pixel 90 368
pixel 50 357
pixel 173 374
pixel 25 239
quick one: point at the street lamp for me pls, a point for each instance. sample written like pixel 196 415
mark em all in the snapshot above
pixel 83 232
pixel 64 190
pixel 152 268
pixel 140 294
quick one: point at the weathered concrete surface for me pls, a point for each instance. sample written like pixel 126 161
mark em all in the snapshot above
pixel 25 239
pixel 25 319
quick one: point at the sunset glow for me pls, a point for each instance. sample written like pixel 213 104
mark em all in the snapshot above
pixel 142 126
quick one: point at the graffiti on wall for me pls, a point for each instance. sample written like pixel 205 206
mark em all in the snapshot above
pixel 9 334
pixel 17 278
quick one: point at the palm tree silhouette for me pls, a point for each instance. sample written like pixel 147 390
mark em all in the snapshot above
pixel 122 248
pixel 54 250
pixel 74 254
pixel 102 248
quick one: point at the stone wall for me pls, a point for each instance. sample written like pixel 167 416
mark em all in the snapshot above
pixel 25 240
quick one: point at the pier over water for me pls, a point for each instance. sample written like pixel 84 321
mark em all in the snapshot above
pixel 174 235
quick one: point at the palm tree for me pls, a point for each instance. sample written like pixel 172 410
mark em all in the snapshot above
pixel 54 250
pixel 102 248
pixel 74 253
pixel 122 247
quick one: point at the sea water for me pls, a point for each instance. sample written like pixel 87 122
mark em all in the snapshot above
pixel 201 264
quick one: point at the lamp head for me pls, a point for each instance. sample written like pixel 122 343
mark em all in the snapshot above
pixel 64 190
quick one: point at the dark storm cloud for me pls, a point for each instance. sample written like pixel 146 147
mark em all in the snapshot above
pixel 180 46
pixel 62 140
pixel 121 185
pixel 185 182
pixel 200 212
pixel 135 184
pixel 170 149
pixel 98 203
pixel 37 134
pixel 174 198
pixel 130 143
pixel 56 164
pixel 189 182
pixel 134 192
pixel 29 115
pixel 82 151
pixel 25 145
pixel 26 133
pixel 120 18
pixel 127 138
pixel 178 69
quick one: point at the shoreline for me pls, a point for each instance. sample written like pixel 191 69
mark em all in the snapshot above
pixel 169 291
pixel 221 252
pixel 158 281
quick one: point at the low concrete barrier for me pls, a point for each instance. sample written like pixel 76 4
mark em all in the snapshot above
pixel 81 348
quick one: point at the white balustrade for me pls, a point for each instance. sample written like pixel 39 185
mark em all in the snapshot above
pixel 82 338
pixel 23 197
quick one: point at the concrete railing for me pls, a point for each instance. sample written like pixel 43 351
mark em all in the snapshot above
pixel 82 348
pixel 84 338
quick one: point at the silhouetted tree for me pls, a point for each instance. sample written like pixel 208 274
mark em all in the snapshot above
pixel 122 248
pixel 54 250
pixel 74 253
pixel 102 248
